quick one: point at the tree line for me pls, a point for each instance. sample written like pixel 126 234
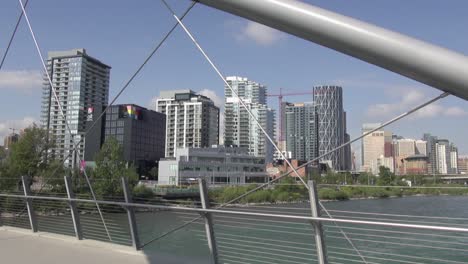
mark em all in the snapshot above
pixel 31 157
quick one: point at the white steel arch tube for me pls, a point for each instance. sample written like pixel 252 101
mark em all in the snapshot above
pixel 429 64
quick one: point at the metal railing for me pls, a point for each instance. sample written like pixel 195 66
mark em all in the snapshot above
pixel 247 234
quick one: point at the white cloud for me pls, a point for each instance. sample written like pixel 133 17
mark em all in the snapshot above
pixel 24 81
pixel 260 34
pixel 456 111
pixel 409 99
pixel 16 124
pixel 218 100
pixel 152 103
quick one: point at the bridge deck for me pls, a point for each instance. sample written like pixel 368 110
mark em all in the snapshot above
pixel 22 246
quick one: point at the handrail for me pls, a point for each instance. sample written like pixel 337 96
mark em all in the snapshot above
pixel 218 211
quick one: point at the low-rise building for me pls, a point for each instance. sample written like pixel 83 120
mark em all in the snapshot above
pixel 387 162
pixel 463 164
pixel 218 165
pixel 415 165
pixel 140 131
pixel 281 166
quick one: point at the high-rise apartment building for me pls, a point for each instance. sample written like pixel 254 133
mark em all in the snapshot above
pixel 446 157
pixel 387 162
pixel 301 131
pixel 375 148
pixel 453 167
pixel 192 120
pixel 442 156
pixel 331 125
pixel 82 88
pixel 403 148
pixel 431 152
pixel 141 132
pixel 241 130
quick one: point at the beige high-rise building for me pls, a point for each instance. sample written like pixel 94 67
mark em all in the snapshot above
pixel 421 147
pixel 403 148
pixel 381 161
pixel 375 147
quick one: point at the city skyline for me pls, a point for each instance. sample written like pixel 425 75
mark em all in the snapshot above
pixel 383 94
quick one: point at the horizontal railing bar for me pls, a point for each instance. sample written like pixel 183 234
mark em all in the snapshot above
pixel 263 220
pixel 263 257
pixel 241 258
pixel 266 239
pixel 398 187
pixel 402 244
pixel 400 238
pixel 376 258
pixel 395 232
pixel 218 211
pixel 399 215
pixel 352 260
pixel 267 206
pixel 271 246
pixel 257 252
pixel 397 220
pixel 399 255
pixel 234 261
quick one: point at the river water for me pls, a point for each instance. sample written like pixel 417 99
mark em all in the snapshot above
pixel 243 239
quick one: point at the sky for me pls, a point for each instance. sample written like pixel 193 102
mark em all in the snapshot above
pixel 122 33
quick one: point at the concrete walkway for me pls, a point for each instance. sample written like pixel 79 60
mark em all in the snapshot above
pixel 23 246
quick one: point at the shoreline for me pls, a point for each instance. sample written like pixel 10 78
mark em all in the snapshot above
pixel 336 200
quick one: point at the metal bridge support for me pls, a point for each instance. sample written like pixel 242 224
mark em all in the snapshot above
pixel 131 215
pixel 435 66
pixel 319 237
pixel 73 209
pixel 208 221
pixel 29 202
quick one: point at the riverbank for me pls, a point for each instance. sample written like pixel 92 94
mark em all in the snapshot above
pixel 288 194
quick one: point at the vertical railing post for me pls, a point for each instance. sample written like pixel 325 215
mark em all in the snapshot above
pixel 319 237
pixel 208 221
pixel 29 203
pixel 131 215
pixel 73 208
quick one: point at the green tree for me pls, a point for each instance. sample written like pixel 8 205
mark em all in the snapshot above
pixel 3 153
pixel 110 168
pixel 154 173
pixel 385 176
pixel 28 155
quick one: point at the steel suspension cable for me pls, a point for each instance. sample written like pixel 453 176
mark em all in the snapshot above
pixel 156 48
pixel 12 36
pixel 126 84
pixel 303 165
pixel 62 112
pixel 218 72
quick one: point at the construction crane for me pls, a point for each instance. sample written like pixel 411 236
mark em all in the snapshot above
pixel 280 108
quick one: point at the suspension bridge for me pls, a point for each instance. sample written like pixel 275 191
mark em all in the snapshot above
pixel 200 231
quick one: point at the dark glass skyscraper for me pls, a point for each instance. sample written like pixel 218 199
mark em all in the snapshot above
pixel 141 132
pixel 331 125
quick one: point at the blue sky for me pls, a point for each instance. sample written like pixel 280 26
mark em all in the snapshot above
pixel 121 34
